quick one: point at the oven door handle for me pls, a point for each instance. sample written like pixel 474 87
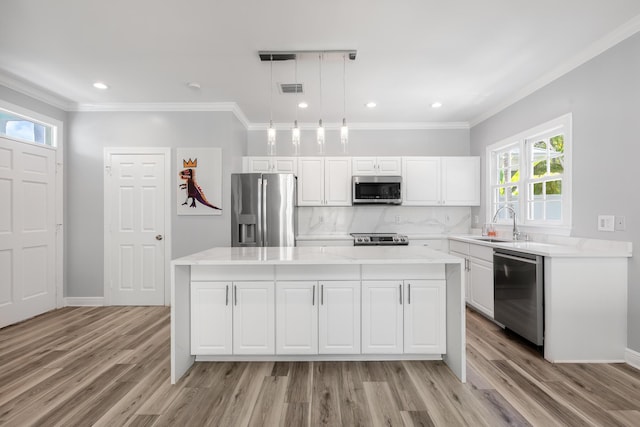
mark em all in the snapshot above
pixel 515 258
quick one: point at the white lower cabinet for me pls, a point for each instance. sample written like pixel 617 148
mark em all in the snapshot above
pixel 300 317
pixel 425 329
pixel 481 278
pixel 253 318
pixel 382 316
pixel 296 318
pixel 211 318
pixel 339 317
pixel 404 317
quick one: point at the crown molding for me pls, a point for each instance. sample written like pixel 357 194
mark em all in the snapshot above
pixel 366 126
pixel 165 106
pixel 35 92
pixel 623 32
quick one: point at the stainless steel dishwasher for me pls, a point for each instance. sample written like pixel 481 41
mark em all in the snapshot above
pixel 518 282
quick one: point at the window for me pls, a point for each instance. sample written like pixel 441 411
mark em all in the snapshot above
pixel 530 173
pixel 26 129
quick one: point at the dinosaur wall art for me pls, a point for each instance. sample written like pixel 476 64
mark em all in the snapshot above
pixel 197 183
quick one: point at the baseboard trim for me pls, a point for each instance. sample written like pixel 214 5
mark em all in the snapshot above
pixel 83 301
pixel 632 358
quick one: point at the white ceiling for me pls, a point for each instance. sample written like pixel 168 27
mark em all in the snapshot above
pixel 473 56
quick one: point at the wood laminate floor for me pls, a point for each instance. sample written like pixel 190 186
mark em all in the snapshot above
pixel 109 366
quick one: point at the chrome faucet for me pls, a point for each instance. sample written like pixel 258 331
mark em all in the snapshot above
pixel 516 232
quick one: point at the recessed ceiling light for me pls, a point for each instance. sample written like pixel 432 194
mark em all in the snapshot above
pixel 193 85
pixel 371 104
pixel 436 105
pixel 100 85
pixel 303 105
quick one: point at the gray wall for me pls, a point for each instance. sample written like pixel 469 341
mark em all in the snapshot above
pixel 428 142
pixel 603 95
pixel 90 133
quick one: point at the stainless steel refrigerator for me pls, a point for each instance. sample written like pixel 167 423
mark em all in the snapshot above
pixel 263 209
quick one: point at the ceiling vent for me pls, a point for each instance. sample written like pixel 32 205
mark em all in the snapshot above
pixel 291 88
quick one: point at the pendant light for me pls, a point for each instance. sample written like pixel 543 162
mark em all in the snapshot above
pixel 344 130
pixel 271 133
pixel 295 132
pixel 320 131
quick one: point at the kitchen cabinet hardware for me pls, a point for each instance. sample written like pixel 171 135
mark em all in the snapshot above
pixel 313 295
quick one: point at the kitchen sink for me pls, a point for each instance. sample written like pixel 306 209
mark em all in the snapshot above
pixel 490 239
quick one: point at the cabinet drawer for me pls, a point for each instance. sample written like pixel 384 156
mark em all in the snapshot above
pixel 482 252
pixel 461 247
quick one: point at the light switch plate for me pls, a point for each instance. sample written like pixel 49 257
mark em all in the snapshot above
pixel 606 222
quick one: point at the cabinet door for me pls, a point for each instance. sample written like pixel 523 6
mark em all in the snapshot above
pixel 421 181
pixel 461 181
pixel 389 165
pixel 211 318
pixel 296 318
pixel 253 318
pixel 480 279
pixel 311 181
pixel 285 165
pixel 425 317
pixel 382 317
pixel 259 164
pixel 339 317
pixel 364 165
pixel 337 181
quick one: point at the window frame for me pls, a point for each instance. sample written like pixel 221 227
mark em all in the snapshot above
pixel 522 140
pixel 53 125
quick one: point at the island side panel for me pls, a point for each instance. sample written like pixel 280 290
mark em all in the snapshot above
pixel 456 357
pixel 181 358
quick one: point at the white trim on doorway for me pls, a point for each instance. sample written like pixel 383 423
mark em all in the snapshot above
pixel 166 152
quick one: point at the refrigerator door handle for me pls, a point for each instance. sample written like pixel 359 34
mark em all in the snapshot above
pixel 264 213
pixel 259 236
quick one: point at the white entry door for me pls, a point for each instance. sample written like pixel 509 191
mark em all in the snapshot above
pixel 27 230
pixel 135 224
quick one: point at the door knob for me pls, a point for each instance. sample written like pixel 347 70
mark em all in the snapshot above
pixel 159 237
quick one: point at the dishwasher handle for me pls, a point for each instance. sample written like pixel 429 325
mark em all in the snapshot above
pixel 515 258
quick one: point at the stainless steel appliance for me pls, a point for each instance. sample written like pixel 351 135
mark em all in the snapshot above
pixel 263 209
pixel 377 190
pixel 379 239
pixel 518 283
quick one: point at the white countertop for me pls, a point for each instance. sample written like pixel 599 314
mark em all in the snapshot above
pixel 575 247
pixel 318 255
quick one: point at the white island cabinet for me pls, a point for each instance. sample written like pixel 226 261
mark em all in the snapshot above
pixel 317 303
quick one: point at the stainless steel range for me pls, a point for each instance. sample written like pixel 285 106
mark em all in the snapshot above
pixel 379 239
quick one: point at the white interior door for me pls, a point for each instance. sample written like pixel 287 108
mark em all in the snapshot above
pixel 27 230
pixel 135 267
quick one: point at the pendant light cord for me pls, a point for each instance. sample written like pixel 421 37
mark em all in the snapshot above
pixel 271 91
pixel 320 67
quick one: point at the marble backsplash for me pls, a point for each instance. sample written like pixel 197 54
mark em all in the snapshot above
pixel 410 220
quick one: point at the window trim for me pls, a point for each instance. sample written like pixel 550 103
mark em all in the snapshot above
pixel 564 122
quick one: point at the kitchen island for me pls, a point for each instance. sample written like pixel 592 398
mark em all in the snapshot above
pixel 317 303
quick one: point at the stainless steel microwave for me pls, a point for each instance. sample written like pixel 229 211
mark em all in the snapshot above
pixel 378 189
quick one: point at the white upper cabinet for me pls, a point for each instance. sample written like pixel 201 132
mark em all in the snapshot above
pixel 324 181
pixel 421 181
pixel 461 181
pixel 441 181
pixel 270 165
pixel 377 165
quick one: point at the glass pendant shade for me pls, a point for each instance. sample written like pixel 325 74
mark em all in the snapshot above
pixel 344 136
pixel 271 140
pixel 295 138
pixel 320 137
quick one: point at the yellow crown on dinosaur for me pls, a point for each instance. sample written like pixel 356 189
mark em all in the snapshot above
pixel 190 164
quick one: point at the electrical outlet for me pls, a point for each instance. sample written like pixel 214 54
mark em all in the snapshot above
pixel 620 223
pixel 606 222
pixel 398 219
pixel 476 219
